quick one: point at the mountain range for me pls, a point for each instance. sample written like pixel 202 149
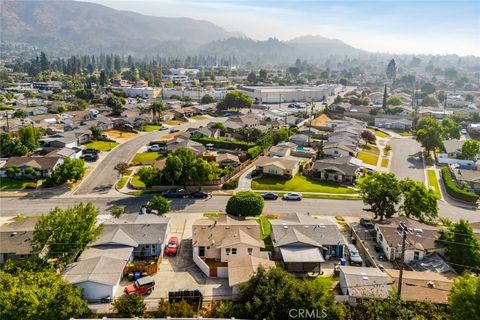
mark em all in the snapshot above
pixel 66 27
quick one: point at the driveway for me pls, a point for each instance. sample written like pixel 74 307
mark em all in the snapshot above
pixel 245 180
pixel 407 161
pixel 104 176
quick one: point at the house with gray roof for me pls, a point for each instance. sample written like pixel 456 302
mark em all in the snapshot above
pixel 15 239
pixel 341 169
pixel 339 149
pixel 303 242
pixel 179 142
pixel 363 282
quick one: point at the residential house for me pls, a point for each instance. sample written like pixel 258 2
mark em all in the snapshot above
pixel 183 113
pixel 122 240
pixel 344 138
pixel 197 148
pixel 15 239
pixel 204 108
pixel 44 165
pixel 300 139
pixel 68 139
pixel 208 132
pixel 453 155
pixel 303 242
pixel 341 169
pixel 394 123
pixel 227 159
pixel 165 116
pixel 363 282
pixel 423 286
pixel 72 153
pixel 283 167
pixel 338 149
pixel 421 239
pixel 463 177
pixel 228 247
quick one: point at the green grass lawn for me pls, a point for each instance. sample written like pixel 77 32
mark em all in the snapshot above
pixel 121 183
pixel 135 182
pixel 385 163
pixel 381 134
pixel 213 214
pixel 265 231
pixel 299 183
pixel 404 133
pixel 102 145
pixel 146 157
pixel 12 184
pixel 151 127
pixel 369 154
pixel 433 182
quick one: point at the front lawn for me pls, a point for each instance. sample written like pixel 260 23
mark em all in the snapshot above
pixel 433 182
pixel 136 183
pixel 12 184
pixel 173 122
pixel 102 145
pixel 146 157
pixel 385 163
pixel 299 183
pixel 199 118
pixel 381 134
pixel 369 154
pixel 151 127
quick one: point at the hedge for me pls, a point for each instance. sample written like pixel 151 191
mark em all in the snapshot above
pixel 253 152
pixel 224 144
pixel 453 189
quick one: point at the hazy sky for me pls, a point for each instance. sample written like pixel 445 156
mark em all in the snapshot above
pixel 384 26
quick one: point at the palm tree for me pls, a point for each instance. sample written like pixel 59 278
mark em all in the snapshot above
pixel 157 107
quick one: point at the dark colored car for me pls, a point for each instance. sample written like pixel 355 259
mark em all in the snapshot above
pixel 89 157
pixel 175 193
pixel 173 130
pixel 172 247
pixel 368 224
pixel 91 151
pixel 143 285
pixel 270 196
pixel 199 195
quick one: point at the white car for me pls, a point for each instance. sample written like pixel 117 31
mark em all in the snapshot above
pixel 463 131
pixel 292 196
pixel 155 148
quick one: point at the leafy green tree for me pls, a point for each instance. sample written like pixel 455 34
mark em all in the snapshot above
pixel 187 158
pixel 245 204
pixel 273 293
pixel 430 133
pixel 469 97
pixel 235 100
pixel 69 170
pixel 381 191
pixel 96 132
pixel 418 201
pixel 387 149
pixel 441 96
pixel 62 234
pixel 394 101
pixel 130 305
pixel 451 130
pixel 427 88
pixel 160 204
pixel 220 126
pixel 28 95
pixel 462 247
pixel 116 104
pixel 38 294
pixel 206 99
pixel 249 134
pixel 11 147
pixel 20 113
pixel 429 102
pixel 464 297
pixel 28 137
pixel 9 96
pixel 117 211
pixel 181 309
pixel 172 170
pixel 252 77
pixel 392 71
pixel 202 171
pixel 157 108
pixel 470 149
pixel 149 176
pixel 263 74
pixel 85 94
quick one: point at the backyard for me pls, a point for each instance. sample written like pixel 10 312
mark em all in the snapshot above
pixel 265 230
pixel 369 154
pixel 146 157
pixel 199 118
pixel 433 182
pixel 299 183
pixel 101 145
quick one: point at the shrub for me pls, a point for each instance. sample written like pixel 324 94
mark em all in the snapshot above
pixel 230 185
pixel 254 152
pixel 225 144
pixel 160 204
pixel 30 185
pixel 454 190
pixel 245 204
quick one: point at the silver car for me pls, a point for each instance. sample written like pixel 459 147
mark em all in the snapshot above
pixel 294 196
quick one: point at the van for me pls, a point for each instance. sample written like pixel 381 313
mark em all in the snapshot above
pixel 354 256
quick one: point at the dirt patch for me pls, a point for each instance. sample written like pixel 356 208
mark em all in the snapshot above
pixel 116 134
pixel 320 121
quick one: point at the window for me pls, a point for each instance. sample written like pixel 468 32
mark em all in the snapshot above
pixel 416 255
pixel 228 251
pixel 250 251
pixel 234 250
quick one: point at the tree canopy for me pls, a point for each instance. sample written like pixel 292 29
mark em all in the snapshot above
pixel 470 149
pixel 116 104
pixel 245 204
pixel 418 201
pixel 430 133
pixel 69 170
pixel 235 100
pixel 464 297
pixel 130 305
pixel 381 191
pixel 160 204
pixel 462 247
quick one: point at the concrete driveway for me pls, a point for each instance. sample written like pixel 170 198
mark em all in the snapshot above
pixel 407 160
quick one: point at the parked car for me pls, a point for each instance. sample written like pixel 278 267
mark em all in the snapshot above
pixel 199 195
pixel 367 223
pixel 90 151
pixel 155 148
pixel 270 196
pixel 175 193
pixel 292 105
pixel 463 131
pixel 90 157
pixel 172 246
pixel 143 285
pixel 226 114
pixel 354 256
pixel 173 130
pixel 292 196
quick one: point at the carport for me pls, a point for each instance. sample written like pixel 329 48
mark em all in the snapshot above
pixel 302 259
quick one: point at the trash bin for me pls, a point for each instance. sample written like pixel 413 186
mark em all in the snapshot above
pixel 354 240
pixel 343 262
pixel 137 276
pixel 130 276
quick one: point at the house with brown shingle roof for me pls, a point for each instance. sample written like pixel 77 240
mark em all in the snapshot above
pixel 44 165
pixel 284 167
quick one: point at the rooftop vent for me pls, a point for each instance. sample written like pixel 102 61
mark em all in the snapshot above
pixel 365 278
pixel 431 284
pixel 13 234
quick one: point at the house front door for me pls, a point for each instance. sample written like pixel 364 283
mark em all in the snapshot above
pixel 213 272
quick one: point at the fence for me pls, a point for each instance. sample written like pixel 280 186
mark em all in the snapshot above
pixel 142 266
pixel 361 247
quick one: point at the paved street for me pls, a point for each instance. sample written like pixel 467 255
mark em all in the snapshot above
pixel 407 159
pixel 102 179
pixel 327 207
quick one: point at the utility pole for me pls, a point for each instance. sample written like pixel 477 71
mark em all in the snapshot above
pixel 6 116
pixel 310 123
pixel 402 258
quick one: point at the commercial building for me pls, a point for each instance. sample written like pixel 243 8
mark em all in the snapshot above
pixel 277 94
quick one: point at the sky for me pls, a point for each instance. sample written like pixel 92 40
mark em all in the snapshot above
pixel 420 27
